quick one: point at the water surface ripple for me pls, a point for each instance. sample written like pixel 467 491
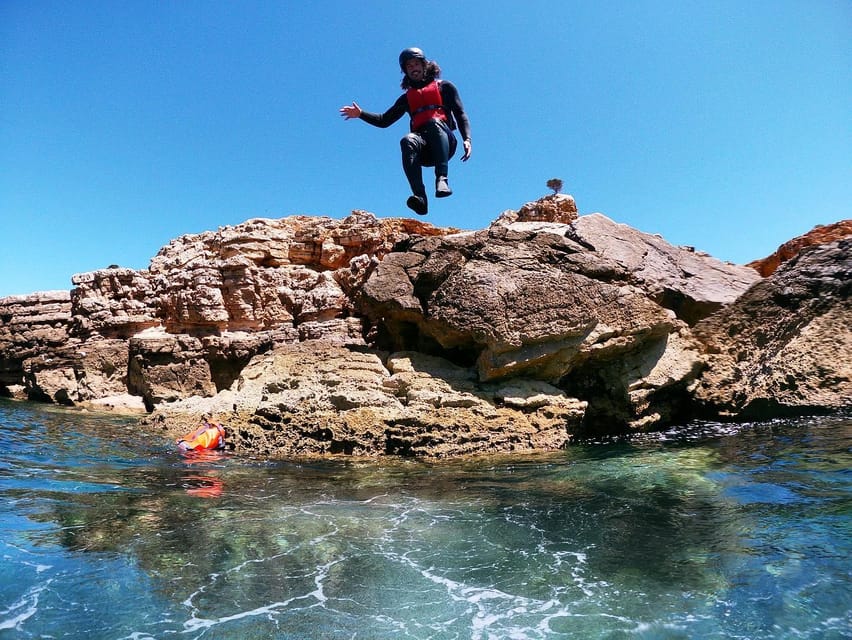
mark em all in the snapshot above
pixel 707 531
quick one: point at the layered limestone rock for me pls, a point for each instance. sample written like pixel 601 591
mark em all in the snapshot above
pixel 32 328
pixel 821 234
pixel 78 372
pixel 267 274
pixel 192 320
pixel 112 303
pixel 317 399
pixel 786 345
pixel 32 324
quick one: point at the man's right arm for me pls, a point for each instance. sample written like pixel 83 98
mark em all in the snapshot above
pixel 386 119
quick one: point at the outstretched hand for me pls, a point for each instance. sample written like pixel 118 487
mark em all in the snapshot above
pixel 467 150
pixel 351 111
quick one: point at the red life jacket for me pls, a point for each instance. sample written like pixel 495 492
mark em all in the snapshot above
pixel 213 437
pixel 425 104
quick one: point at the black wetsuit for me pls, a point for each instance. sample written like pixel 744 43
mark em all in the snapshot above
pixel 434 143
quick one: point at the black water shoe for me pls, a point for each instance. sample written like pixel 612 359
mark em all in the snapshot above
pixel 418 205
pixel 442 189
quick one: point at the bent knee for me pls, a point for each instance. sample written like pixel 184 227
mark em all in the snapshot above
pixel 411 141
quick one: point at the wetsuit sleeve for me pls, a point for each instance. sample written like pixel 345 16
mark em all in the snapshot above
pixel 452 101
pixel 386 119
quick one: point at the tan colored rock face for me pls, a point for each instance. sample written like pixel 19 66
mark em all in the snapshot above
pixel 268 274
pixel 32 327
pixel 558 208
pixel 317 399
pixel 786 345
pixel 182 324
pixel 561 303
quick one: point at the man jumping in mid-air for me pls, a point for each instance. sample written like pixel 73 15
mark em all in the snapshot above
pixel 434 107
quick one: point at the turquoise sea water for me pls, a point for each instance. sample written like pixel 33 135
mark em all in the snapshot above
pixel 705 532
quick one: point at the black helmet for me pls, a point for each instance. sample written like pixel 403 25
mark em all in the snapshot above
pixel 412 53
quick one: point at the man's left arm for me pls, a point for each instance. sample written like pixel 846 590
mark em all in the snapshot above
pixel 450 97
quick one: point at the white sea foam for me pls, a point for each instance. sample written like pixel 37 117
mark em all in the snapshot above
pixel 317 595
pixel 491 608
pixel 23 609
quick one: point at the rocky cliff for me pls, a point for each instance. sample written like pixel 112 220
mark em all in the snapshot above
pixel 190 322
pixel 821 234
pixel 310 335
pixel 785 346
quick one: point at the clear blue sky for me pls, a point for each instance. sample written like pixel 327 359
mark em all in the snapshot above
pixel 725 125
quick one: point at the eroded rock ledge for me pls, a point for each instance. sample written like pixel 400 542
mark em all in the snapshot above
pixel 785 346
pixel 314 398
pixel 310 335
